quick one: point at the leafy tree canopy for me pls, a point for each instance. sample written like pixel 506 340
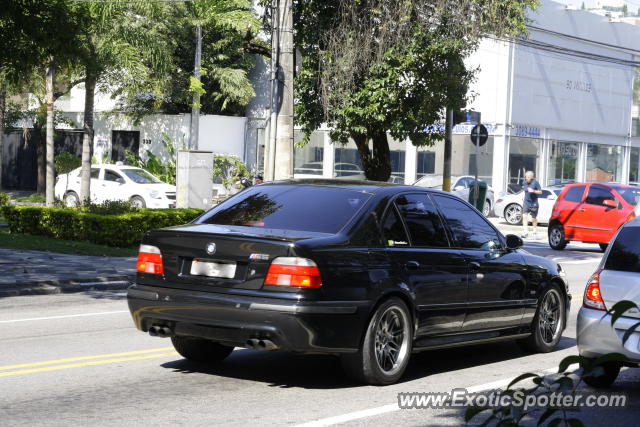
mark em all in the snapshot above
pixel 377 67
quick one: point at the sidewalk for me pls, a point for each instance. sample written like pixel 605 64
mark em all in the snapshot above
pixel 32 272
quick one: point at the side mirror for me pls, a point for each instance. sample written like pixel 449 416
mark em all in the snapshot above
pixel 514 242
pixel 609 203
pixel 120 181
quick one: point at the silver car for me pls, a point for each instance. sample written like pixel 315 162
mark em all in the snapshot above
pixel 460 186
pixel 617 279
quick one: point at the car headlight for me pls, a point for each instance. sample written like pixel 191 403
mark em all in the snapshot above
pixel 155 194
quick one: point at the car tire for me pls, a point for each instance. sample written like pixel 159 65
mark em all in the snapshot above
pixel 71 199
pixel 513 214
pixel 486 209
pixel 200 350
pixel 548 323
pixel 603 246
pixel 138 202
pixel 557 238
pixel 375 363
pixel 611 371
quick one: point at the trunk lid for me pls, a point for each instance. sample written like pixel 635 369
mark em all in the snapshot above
pixel 206 257
pixel 616 286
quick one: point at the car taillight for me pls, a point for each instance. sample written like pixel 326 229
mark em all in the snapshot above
pixel 631 216
pixel 499 201
pixel 592 295
pixel 149 260
pixel 294 272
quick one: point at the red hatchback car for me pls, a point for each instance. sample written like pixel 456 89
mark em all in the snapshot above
pixel 592 213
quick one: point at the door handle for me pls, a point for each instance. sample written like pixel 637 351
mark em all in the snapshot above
pixel 474 266
pixel 582 210
pixel 412 265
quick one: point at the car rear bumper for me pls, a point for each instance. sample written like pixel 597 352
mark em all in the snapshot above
pixel 319 327
pixel 596 336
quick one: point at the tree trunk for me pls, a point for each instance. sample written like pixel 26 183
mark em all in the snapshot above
pixel 376 162
pixel 3 98
pixel 41 159
pixel 50 173
pixel 87 140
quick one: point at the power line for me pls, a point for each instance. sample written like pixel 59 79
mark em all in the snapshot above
pixel 569 36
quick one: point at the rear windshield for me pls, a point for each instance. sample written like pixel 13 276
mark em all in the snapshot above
pixel 625 252
pixel 289 207
pixel 631 195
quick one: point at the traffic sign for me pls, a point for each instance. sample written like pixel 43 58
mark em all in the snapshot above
pixel 479 135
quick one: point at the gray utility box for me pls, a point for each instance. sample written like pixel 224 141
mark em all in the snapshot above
pixel 194 180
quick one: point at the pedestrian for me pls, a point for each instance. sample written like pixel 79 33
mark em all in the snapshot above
pixel 532 190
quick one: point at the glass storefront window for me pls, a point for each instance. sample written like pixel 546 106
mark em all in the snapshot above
pixel 463 159
pixel 308 159
pixel 563 162
pixel 604 163
pixel 634 166
pixel 398 157
pixel 347 161
pixel 523 156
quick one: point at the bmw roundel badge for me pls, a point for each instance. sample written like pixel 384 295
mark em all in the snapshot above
pixel 211 248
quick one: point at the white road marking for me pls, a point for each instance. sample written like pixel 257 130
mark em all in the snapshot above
pixel 577 261
pixel 380 410
pixel 68 316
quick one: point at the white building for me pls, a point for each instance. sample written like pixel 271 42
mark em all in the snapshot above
pixel 558 103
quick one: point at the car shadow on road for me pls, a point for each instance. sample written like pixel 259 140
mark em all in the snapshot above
pixel 289 370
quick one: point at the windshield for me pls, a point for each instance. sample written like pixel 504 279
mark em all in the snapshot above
pixel 289 207
pixel 140 176
pixel 630 195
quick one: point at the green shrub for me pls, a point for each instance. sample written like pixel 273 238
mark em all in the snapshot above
pixel 32 198
pixel 66 162
pixel 108 207
pixel 5 199
pixel 119 230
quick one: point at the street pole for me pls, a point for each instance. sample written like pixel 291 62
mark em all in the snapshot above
pixel 195 108
pixel 446 169
pixel 281 150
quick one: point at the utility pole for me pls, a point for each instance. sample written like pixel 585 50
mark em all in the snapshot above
pixel 279 150
pixel 195 108
pixel 448 138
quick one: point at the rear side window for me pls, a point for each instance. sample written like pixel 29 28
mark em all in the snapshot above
pixel 289 207
pixel 597 196
pixel 393 230
pixel 625 252
pixel 574 194
pixel 423 221
pixel 469 228
pixel 631 195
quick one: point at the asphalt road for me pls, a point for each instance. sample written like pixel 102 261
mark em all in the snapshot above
pixel 77 360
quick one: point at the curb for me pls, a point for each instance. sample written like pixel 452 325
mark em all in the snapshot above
pixel 68 287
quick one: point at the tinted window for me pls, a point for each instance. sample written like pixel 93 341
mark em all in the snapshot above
pixel 289 207
pixel 111 176
pixel 469 228
pixel 423 221
pixel 597 195
pixel 393 230
pixel 625 252
pixel 574 194
pixel 95 173
pixel 545 194
pixel 140 176
pixel 630 195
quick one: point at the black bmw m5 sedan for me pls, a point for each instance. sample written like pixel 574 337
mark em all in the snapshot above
pixel 367 271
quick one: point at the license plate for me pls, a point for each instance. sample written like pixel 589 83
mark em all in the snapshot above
pixel 223 270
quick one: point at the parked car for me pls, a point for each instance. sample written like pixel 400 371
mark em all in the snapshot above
pixel 340 170
pixel 118 182
pixel 368 271
pixel 591 212
pixel 509 206
pixel 460 186
pixel 312 170
pixel 617 279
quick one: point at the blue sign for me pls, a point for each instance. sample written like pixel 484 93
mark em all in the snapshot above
pixel 526 131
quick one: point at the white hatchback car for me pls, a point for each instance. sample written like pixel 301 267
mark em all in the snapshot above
pixel 118 182
pixel 509 206
pixel 617 279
